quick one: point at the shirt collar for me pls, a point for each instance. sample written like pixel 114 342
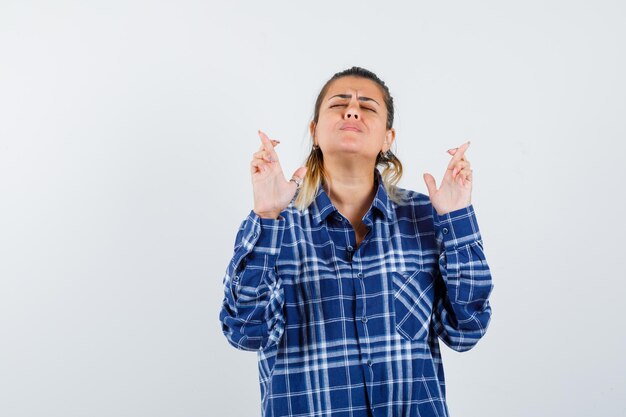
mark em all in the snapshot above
pixel 322 207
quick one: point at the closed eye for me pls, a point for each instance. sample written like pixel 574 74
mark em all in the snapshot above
pixel 342 105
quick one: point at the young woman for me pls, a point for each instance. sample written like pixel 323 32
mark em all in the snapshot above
pixel 342 282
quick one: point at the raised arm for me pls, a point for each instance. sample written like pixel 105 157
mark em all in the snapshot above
pixel 252 307
pixel 462 311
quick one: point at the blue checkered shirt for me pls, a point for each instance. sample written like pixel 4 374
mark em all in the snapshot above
pixel 354 331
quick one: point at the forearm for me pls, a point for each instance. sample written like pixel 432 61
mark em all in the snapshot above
pixel 462 310
pixel 251 312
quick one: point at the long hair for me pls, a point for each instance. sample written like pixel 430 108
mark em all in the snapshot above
pixel 315 174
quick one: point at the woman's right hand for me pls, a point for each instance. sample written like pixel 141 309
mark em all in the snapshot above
pixel 272 191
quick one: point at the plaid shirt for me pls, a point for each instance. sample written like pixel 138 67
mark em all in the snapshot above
pixel 353 331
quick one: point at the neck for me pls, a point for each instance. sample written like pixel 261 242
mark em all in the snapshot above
pixel 351 187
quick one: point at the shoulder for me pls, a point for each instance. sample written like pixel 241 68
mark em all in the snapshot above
pixel 412 203
pixel 294 216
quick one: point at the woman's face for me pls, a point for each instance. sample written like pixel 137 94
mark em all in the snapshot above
pixel 352 120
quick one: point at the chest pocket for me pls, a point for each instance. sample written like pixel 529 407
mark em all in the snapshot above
pixel 413 294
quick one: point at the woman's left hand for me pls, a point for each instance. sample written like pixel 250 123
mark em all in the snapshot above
pixel 456 187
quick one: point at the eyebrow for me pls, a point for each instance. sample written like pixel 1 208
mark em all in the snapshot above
pixel 350 96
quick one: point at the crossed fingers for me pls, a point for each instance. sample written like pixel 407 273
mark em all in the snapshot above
pixel 264 155
pixel 459 164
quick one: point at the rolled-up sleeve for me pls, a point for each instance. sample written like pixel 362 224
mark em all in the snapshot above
pixel 251 314
pixel 462 311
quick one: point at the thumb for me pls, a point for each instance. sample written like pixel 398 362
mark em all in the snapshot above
pixel 300 172
pixel 430 183
pixel 299 175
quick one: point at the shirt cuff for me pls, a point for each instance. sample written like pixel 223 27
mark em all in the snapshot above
pixel 261 237
pixel 457 228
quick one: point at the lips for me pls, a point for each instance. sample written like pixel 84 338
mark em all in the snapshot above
pixel 351 127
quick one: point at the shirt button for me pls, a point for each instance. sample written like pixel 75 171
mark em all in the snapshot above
pixel 369 362
pixel 255 235
pixel 360 275
pixel 350 248
pixel 445 230
pixel 364 319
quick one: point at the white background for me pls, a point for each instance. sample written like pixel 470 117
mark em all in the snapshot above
pixel 126 130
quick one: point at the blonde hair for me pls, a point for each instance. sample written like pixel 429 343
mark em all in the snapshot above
pixel 316 175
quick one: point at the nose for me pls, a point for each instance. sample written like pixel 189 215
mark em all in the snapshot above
pixel 353 111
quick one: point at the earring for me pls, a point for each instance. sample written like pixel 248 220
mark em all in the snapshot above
pixel 315 147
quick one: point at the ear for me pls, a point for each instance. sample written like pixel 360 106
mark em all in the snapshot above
pixel 390 136
pixel 312 130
